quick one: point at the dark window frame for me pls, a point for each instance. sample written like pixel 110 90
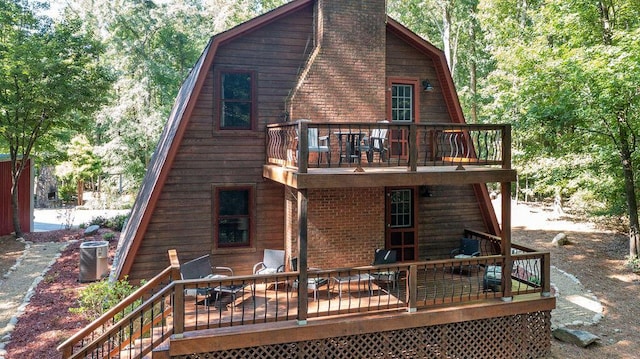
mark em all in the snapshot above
pixel 250 216
pixel 219 100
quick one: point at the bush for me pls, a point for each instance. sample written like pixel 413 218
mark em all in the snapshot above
pixel 99 297
pixel 116 223
pixel 633 263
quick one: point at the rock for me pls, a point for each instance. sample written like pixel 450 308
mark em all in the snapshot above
pixel 91 230
pixel 580 338
pixel 559 240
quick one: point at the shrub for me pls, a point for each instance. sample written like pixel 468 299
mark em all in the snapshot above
pixel 116 223
pixel 108 236
pixel 633 263
pixel 99 297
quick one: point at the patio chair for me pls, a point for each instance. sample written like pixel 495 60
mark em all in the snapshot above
pixel 200 268
pixel 375 143
pixel 272 262
pixel 492 278
pixel 468 248
pixel 385 256
pixel 317 144
pixel 313 283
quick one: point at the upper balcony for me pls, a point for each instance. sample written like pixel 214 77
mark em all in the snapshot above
pixel 306 154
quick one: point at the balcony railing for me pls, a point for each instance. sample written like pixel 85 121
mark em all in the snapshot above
pixel 303 144
pixel 167 308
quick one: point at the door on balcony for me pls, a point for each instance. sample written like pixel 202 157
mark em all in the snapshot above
pixel 401 109
pixel 401 229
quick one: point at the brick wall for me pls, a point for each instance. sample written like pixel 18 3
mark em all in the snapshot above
pixel 345 78
pixel 345 226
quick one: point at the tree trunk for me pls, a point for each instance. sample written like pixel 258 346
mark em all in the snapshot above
pixel 630 193
pixel 15 206
pixel 80 192
pixel 473 75
pixel 446 36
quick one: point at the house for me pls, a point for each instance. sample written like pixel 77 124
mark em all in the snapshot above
pixel 25 198
pixel 328 130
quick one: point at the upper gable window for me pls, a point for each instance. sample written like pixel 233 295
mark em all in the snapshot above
pixel 402 103
pixel 236 100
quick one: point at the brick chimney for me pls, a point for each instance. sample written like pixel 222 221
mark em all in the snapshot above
pixel 344 78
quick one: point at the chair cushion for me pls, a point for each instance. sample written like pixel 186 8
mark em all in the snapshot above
pixel 493 272
pixel 267 271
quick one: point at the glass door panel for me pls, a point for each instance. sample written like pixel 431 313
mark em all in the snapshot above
pixel 402 111
pixel 401 229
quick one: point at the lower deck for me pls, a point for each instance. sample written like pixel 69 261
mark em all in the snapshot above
pixel 332 293
pixel 396 308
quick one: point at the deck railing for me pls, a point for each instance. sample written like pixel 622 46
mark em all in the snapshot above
pixel 303 144
pixel 175 307
pixel 131 328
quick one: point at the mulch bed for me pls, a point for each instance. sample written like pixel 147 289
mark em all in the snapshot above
pixel 47 322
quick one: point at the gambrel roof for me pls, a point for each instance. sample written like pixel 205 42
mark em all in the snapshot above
pixel 170 140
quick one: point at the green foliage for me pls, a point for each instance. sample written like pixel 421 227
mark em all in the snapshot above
pixel 51 81
pixel 108 236
pixel 99 297
pixel 81 164
pixel 566 75
pixel 116 222
pixel 633 263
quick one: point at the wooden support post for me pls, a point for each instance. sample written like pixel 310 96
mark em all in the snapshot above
pixel 302 256
pixel 505 189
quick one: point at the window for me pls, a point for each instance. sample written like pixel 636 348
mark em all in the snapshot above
pixel 233 217
pixel 401 103
pixel 401 211
pixel 236 100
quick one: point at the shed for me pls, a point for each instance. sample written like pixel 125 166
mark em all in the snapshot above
pixel 25 193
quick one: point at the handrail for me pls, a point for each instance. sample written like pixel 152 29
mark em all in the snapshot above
pixel 442 281
pixel 415 144
pixel 128 320
pixel 140 293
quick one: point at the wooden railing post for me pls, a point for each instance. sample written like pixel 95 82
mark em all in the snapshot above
pixel 545 271
pixel 178 310
pixel 303 146
pixel 413 147
pixel 174 263
pixel 412 292
pixel 506 146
